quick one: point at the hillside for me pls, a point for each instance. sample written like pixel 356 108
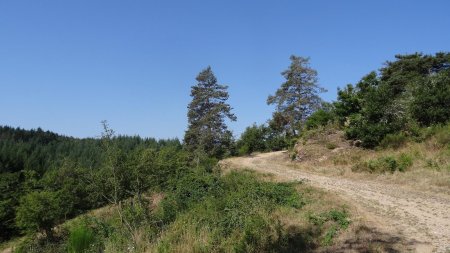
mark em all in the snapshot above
pixel 42 160
pixel 368 172
pixel 423 160
pixel 404 203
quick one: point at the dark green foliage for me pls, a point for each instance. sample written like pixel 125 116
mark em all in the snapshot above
pixel 348 103
pixel 10 192
pixel 400 74
pixel 233 190
pixel 36 160
pixel 194 187
pixel 319 118
pixel 260 138
pixel 235 207
pixel 252 139
pixel 413 88
pixel 41 211
pixel 431 99
pixel 207 132
pixel 297 98
pixel 394 140
pixel 76 185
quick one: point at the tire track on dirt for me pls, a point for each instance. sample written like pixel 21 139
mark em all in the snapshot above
pixel 422 218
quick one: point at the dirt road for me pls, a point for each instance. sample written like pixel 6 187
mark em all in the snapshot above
pixel 421 218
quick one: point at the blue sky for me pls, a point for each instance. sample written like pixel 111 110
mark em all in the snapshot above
pixel 67 65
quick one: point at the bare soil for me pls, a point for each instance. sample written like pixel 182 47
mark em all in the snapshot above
pixel 418 219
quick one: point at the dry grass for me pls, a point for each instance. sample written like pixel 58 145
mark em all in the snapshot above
pixel 430 168
pixel 361 236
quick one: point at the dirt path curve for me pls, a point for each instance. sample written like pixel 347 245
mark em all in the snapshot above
pixel 423 219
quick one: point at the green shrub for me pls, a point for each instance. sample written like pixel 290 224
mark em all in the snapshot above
pixel 256 235
pixel 81 239
pixel 253 139
pixel 385 164
pixel 394 140
pixel 431 98
pixel 235 209
pixel 244 150
pixel 413 88
pixel 319 118
pixel 40 211
pixel 276 142
pixel 260 138
pixel 404 162
pixel 331 145
pixel 443 135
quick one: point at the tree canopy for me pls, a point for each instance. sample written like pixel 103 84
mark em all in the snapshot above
pixel 207 131
pixel 412 90
pixel 297 98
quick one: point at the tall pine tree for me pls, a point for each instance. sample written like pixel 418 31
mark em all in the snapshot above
pixel 207 133
pixel 297 98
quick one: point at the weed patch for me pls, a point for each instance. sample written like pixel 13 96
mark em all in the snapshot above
pixel 385 164
pixel 331 222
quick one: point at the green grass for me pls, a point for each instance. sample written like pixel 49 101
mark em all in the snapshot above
pixel 235 209
pixel 81 239
pixel 331 222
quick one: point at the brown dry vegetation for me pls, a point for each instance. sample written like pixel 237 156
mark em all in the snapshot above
pixel 326 151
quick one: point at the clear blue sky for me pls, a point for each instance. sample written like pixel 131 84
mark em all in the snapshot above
pixel 67 65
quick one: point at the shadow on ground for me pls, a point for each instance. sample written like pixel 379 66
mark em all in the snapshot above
pixel 363 239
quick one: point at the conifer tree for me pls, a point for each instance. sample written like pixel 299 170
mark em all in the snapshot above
pixel 297 98
pixel 207 133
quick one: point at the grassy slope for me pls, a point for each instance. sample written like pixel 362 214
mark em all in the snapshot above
pixel 250 214
pixel 311 227
pixel 426 161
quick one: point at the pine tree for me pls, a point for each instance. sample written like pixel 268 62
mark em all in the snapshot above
pixel 297 98
pixel 207 132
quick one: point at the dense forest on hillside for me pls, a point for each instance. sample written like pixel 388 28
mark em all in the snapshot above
pixel 161 190
pixel 37 159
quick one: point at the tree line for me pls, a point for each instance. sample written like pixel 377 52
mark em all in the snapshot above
pixel 392 103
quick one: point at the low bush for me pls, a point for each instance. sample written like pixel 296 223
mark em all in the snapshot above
pixel 81 239
pixel 442 135
pixel 394 141
pixel 319 118
pixel 235 209
pixel 331 145
pixel 260 139
pixel 385 164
